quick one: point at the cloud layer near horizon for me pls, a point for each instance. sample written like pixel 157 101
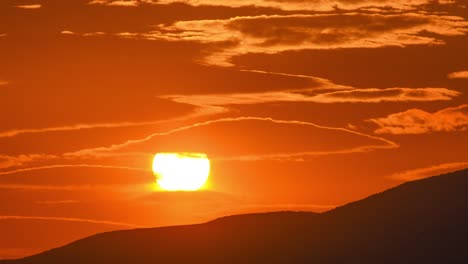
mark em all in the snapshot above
pixel 294 5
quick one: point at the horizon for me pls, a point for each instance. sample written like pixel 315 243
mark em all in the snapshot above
pixel 254 105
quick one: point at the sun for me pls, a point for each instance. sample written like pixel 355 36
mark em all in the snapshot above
pixel 181 171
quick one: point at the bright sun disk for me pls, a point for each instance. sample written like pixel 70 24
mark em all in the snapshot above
pixel 181 171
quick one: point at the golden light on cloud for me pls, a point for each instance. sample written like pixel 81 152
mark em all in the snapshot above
pixel 181 171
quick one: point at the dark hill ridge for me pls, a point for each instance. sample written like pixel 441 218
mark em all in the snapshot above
pixel 424 221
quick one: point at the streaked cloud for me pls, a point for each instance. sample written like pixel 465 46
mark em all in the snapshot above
pixel 71 166
pixel 67 219
pixel 316 5
pixel 67 32
pixel 420 173
pixel 20 160
pixel 69 187
pixel 32 6
pixel 199 111
pixel 417 121
pixel 123 3
pixel 12 133
pixel 458 75
pixel 238 139
pixel 371 95
pixel 272 34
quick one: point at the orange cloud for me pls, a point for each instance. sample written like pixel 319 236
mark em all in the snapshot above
pixel 200 111
pixel 371 95
pixel 32 6
pixel 416 121
pixel 48 187
pixel 458 75
pixel 67 32
pixel 67 219
pixel 279 33
pixel 316 5
pixel 15 161
pixel 425 172
pixel 239 139
pixel 71 166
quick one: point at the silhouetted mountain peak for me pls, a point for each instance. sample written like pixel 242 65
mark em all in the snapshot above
pixel 423 221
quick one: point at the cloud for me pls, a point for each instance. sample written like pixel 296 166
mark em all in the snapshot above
pixel 199 111
pixel 420 173
pixel 47 187
pixel 316 5
pixel 416 121
pixel 3 82
pixel 123 3
pixel 278 33
pixel 458 75
pixel 12 133
pixel 71 166
pixel 67 32
pixel 32 6
pixel 16 161
pixel 370 95
pixel 67 219
pixel 243 138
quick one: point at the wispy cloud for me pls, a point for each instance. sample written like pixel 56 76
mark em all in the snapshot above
pixel 458 75
pixel 20 160
pixel 12 133
pixel 67 219
pixel 278 33
pixel 69 187
pixel 32 6
pixel 303 156
pixel 370 95
pixel 429 171
pixel 416 121
pixel 71 166
pixel 372 143
pixel 123 3
pixel 199 111
pixel 67 32
pixel 316 5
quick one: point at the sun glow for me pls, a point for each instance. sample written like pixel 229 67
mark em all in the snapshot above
pixel 181 171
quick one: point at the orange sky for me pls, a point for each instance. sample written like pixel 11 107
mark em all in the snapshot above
pixel 301 105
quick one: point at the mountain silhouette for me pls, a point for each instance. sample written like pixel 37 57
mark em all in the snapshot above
pixel 423 221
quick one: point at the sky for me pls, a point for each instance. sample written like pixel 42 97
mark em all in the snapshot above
pixel 299 104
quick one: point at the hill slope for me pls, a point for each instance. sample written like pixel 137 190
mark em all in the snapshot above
pixel 424 221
